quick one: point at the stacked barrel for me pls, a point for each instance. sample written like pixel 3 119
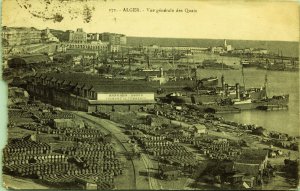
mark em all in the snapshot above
pixel 182 160
pixel 14 115
pixel 105 181
pixel 172 153
pixel 217 149
pixel 42 169
pixel 23 152
pixel 79 153
pixel 30 107
pixel 77 134
pixel 42 129
pixel 53 115
pixel 96 158
pixel 178 136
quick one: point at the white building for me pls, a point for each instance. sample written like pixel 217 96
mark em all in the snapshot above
pixel 199 129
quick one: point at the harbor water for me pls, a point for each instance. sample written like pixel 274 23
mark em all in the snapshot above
pixel 278 83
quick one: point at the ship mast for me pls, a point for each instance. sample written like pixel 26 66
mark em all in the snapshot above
pixel 196 80
pixel 173 64
pixel 282 59
pixel 243 78
pixel 222 65
pixel 148 61
pixel 222 79
pixel 266 82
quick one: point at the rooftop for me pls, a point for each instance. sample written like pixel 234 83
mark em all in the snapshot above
pixel 248 169
pixel 37 58
pixel 199 126
pixel 98 83
pixel 253 156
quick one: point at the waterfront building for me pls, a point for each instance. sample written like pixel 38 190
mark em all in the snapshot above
pixel 169 50
pixel 218 49
pixel 237 51
pixel 227 47
pixel 260 51
pixel 92 93
pixel 247 50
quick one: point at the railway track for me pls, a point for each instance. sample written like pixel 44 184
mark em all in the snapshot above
pixel 114 137
pixel 153 184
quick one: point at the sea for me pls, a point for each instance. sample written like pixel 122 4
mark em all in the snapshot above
pixel 278 82
pixel 287 48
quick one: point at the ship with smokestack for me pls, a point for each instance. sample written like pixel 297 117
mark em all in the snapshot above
pixel 252 98
pixel 206 95
pixel 235 98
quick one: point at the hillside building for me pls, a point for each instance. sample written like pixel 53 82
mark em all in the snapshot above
pixel 16 36
pixel 20 36
pixel 79 36
pixel 113 38
pixel 96 46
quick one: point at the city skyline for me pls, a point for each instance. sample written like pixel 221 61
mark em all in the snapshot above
pixel 218 20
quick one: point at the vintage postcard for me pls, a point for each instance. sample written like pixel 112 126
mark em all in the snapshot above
pixel 150 95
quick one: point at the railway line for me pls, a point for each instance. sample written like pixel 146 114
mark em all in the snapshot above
pixel 153 184
pixel 104 124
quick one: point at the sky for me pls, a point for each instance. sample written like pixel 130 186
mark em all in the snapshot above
pixel 255 20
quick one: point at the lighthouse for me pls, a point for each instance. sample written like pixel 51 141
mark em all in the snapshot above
pixel 227 47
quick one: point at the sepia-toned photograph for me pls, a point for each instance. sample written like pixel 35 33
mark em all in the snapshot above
pixel 150 95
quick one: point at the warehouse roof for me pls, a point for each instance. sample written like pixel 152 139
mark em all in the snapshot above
pixel 250 169
pixel 253 156
pixel 124 87
pixel 99 84
pixel 32 59
pixel 199 126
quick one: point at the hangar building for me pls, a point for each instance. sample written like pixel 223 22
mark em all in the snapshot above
pixel 92 93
